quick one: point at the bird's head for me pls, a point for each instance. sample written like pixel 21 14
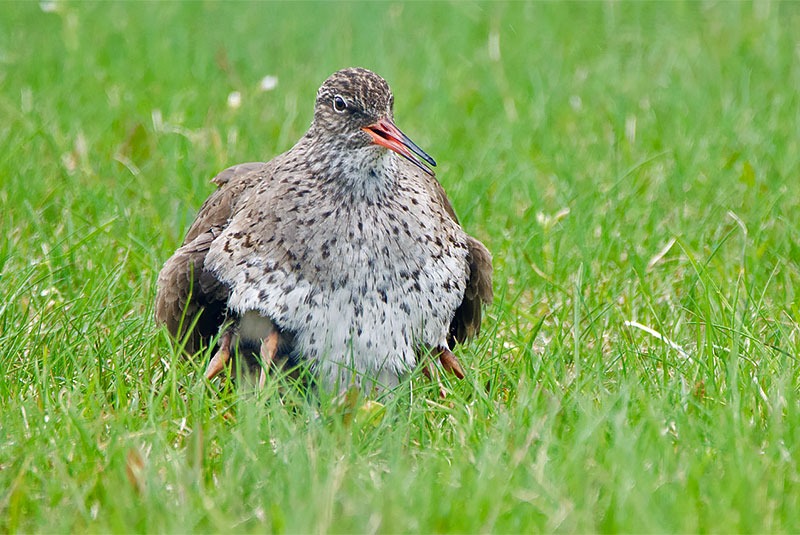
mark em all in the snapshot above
pixel 356 107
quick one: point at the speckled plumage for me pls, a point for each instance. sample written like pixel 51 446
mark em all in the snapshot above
pixel 350 250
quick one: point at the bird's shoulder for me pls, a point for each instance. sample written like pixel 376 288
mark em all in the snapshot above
pixel 433 189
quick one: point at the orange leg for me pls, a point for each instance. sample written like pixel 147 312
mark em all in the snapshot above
pixel 221 357
pixel 432 375
pixel 450 362
pixel 269 348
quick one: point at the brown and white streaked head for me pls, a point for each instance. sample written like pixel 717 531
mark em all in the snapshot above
pixel 354 111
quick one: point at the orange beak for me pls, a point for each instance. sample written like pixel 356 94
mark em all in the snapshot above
pixel 386 134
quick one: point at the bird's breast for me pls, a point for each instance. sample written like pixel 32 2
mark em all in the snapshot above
pixel 361 285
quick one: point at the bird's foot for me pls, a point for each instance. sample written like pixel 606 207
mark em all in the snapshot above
pixel 221 357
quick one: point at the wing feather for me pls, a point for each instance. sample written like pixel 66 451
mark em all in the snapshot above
pixel 189 296
pixel 466 322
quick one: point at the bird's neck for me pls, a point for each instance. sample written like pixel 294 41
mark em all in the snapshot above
pixel 365 173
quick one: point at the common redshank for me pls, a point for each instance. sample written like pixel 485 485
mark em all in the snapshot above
pixel 343 254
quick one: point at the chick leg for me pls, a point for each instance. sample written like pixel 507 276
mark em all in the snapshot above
pixel 221 357
pixel 432 375
pixel 269 348
pixel 450 362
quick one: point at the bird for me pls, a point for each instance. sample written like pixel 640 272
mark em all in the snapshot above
pixel 343 255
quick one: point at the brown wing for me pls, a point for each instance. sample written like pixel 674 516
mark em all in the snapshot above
pixel 467 319
pixel 188 296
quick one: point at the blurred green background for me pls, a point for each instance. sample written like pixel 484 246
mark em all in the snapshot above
pixel 632 166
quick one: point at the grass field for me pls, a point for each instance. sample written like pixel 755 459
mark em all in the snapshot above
pixel 634 168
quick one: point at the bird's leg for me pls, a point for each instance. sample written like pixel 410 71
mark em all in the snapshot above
pixel 269 348
pixel 432 375
pixel 221 357
pixel 450 362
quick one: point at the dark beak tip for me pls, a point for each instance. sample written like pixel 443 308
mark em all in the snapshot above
pixel 385 130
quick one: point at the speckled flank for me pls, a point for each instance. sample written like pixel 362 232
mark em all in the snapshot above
pixel 348 246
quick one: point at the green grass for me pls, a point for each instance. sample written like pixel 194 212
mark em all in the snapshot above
pixel 630 166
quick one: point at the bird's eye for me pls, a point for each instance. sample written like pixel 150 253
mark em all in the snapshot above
pixel 339 104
